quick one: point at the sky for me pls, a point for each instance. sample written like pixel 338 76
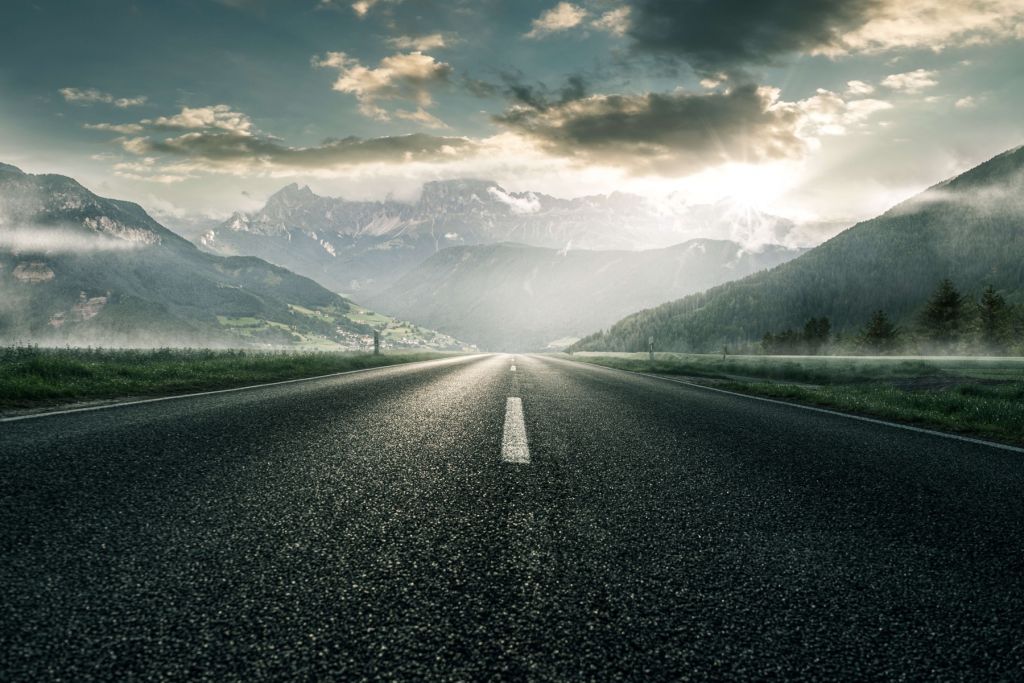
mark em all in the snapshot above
pixel 813 110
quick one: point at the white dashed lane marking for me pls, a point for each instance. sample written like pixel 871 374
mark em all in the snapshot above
pixel 514 447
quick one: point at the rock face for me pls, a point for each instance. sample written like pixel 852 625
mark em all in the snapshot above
pixel 364 247
pixel 79 268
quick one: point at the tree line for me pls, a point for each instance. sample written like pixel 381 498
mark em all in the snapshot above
pixel 949 323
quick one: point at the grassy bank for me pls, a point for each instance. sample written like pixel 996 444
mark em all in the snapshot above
pixel 981 397
pixel 32 377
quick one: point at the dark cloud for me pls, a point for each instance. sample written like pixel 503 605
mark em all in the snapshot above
pixel 664 132
pixel 515 88
pixel 226 148
pixel 727 35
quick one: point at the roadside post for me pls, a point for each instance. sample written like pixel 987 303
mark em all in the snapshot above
pixel 650 348
pixel 376 342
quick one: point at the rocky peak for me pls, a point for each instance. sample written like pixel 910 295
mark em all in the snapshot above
pixel 291 195
pixel 459 192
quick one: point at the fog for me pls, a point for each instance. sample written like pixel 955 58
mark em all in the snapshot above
pixel 38 239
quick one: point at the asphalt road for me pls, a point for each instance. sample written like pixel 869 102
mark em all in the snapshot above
pixel 369 526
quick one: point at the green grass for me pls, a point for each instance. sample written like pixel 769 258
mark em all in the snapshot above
pixel 981 397
pixel 33 377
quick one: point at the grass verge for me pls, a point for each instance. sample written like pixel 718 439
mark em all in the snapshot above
pixel 977 397
pixel 32 377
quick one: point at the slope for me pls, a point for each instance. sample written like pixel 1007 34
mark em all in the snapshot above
pixel 969 229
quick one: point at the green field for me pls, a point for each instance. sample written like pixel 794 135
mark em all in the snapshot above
pixel 33 377
pixel 978 396
pixel 402 333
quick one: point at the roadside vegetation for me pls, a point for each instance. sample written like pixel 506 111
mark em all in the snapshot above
pixel 975 396
pixel 32 377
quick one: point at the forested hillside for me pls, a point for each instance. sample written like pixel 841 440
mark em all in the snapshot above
pixel 82 269
pixel 969 229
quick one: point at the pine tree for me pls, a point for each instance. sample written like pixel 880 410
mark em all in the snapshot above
pixel 816 334
pixel 942 320
pixel 880 335
pixel 993 321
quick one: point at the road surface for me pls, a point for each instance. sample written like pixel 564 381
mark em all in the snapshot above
pixel 416 523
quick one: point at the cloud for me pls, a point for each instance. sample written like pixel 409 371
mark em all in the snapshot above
pixel 122 128
pixel 730 34
pixel 827 113
pixel 93 96
pixel 733 34
pixel 218 116
pixel 911 81
pixel 663 133
pixel 222 151
pixel 422 117
pixel 60 240
pixel 518 203
pixel 680 132
pixel 934 25
pixel 402 76
pixel 418 43
pixel 561 17
pixel 966 103
pixel 614 21
pixel 859 88
pixel 360 7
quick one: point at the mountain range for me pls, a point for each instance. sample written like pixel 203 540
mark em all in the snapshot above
pixel 364 247
pixel 969 229
pixel 518 297
pixel 79 268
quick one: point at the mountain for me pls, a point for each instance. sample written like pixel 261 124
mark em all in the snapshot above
pixel 365 246
pixel 519 297
pixel 969 229
pixel 79 268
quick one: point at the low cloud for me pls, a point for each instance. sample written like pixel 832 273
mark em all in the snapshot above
pixel 912 81
pixel 45 239
pixel 93 96
pixel 522 204
pixel 402 76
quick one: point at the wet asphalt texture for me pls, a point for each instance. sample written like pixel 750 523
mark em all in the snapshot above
pixel 365 527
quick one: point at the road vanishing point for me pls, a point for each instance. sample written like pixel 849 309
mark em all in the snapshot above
pixel 461 520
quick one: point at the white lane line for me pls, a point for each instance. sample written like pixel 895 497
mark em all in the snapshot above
pixel 513 441
pixel 247 387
